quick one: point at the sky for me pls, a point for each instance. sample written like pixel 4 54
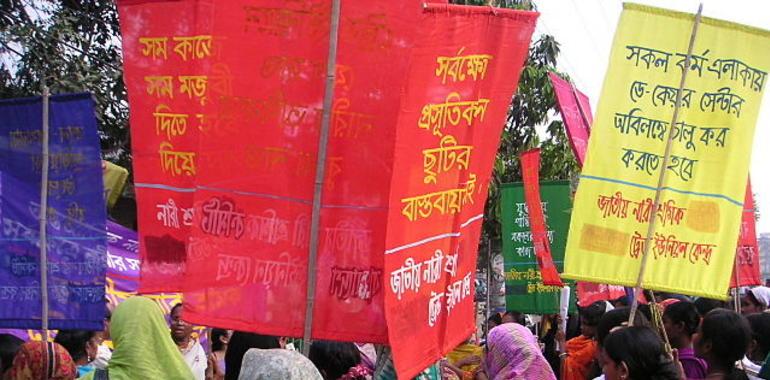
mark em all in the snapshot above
pixel 585 30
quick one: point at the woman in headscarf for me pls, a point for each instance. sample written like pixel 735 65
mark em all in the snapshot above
pixel 240 343
pixel 577 360
pixel 513 353
pixel 338 360
pixel 143 345
pixel 277 363
pixel 42 361
pixel 756 300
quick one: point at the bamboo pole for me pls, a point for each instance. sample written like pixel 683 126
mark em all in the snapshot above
pixel 43 215
pixel 320 172
pixel 662 176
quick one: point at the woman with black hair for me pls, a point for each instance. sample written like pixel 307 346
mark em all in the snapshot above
pixel 240 342
pixel 759 346
pixel 636 353
pixel 681 320
pixel 338 360
pixel 722 339
pixel 577 359
pixel 756 300
pixel 82 346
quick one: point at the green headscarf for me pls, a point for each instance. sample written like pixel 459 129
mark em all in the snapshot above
pixel 143 345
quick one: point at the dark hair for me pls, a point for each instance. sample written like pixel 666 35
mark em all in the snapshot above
pixel 241 342
pixel 684 312
pixel 495 317
pixel 621 301
pixel 704 305
pixel 518 317
pixel 760 331
pixel 753 299
pixel 592 313
pixel 216 342
pixel 74 341
pixel 174 308
pixel 9 346
pixel 642 351
pixel 334 359
pixel 615 318
pixel 729 334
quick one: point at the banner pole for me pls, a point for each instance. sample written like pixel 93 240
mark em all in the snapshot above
pixel 736 289
pixel 489 286
pixel 323 141
pixel 662 176
pixel 43 215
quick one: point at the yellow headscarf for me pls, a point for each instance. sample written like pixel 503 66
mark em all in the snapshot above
pixel 143 345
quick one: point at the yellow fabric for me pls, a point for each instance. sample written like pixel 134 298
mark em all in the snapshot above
pixel 464 351
pixel 693 247
pixel 114 180
pixel 143 345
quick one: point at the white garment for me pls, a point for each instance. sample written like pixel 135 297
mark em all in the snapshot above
pixel 762 294
pixel 195 357
pixel 750 368
pixel 103 356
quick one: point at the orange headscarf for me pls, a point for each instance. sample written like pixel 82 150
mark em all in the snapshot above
pixel 581 352
pixel 42 360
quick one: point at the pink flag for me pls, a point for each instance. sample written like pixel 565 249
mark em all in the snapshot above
pixel 576 113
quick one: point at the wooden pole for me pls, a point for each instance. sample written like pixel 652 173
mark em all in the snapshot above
pixel 662 176
pixel 323 141
pixel 43 215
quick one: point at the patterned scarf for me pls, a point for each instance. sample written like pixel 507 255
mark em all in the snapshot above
pixel 42 360
pixel 513 353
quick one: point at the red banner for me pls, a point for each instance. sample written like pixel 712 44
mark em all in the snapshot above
pixel 575 113
pixel 530 173
pixel 164 75
pixel 588 292
pixel 464 68
pixel 225 168
pixel 747 255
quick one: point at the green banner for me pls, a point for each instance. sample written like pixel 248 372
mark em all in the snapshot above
pixel 524 289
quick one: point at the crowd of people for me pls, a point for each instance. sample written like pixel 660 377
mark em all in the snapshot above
pixel 674 338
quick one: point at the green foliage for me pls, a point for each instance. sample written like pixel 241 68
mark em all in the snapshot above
pixel 71 46
pixel 532 109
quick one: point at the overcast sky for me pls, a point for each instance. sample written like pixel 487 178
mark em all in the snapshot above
pixel 585 29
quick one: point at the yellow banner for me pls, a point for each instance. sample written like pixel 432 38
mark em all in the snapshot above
pixel 114 181
pixel 698 218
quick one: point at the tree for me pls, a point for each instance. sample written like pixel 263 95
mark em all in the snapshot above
pixel 71 46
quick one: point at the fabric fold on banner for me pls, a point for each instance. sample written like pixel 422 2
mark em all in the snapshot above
pixel 530 172
pixel 697 220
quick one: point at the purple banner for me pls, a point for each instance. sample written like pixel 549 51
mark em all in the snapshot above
pixel 76 215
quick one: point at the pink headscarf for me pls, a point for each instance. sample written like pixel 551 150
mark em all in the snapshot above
pixel 513 353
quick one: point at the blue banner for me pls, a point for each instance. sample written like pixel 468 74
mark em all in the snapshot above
pixel 76 231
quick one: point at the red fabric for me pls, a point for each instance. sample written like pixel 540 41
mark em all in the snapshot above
pixel 241 257
pixel 747 253
pixel 530 169
pixel 162 245
pixel 589 292
pixel 42 361
pixel 429 320
pixel 576 114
